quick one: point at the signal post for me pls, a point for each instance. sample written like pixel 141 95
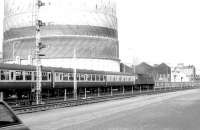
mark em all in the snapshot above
pixel 38 47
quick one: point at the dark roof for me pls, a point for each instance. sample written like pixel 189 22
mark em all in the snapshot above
pixel 144 68
pixel 162 69
pixel 56 69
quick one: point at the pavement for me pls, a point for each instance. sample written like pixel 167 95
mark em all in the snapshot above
pixel 170 111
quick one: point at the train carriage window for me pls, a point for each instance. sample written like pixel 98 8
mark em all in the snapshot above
pixel 44 75
pixel 12 75
pixel 108 77
pixel 19 75
pixel 49 75
pixel 35 75
pixel 117 77
pixel 81 76
pixel 89 77
pixel 71 76
pixel 124 78
pixel 93 77
pixel 65 76
pixel 60 76
pixel 120 78
pixel 112 78
pixel 133 78
pixel 28 75
pixel 6 75
pixel 2 75
pixel 85 77
pixel 104 77
pixel 78 76
pixel 97 77
pixel 101 77
pixel 57 76
pixel 129 78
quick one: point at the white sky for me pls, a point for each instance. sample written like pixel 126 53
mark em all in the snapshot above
pixel 159 30
pixel 156 31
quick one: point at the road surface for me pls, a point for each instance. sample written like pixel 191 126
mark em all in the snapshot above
pixel 171 111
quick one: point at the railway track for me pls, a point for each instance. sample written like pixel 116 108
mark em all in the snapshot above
pixel 70 103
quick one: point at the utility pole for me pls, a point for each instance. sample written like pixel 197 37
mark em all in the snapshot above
pixel 1 96
pixel 134 74
pixel 75 80
pixel 38 47
pixel 65 95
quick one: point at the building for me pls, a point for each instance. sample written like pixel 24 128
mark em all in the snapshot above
pixel 162 73
pixel 182 73
pixel 87 26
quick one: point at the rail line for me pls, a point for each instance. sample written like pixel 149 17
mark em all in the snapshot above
pixel 70 103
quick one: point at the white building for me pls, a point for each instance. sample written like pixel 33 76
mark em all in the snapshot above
pixel 181 73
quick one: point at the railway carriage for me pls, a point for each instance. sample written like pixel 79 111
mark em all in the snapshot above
pixel 14 76
pixel 24 76
pixel 20 80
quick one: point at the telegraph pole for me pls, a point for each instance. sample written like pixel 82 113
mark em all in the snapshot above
pixel 75 80
pixel 38 47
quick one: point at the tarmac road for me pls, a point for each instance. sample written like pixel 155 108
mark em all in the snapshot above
pixel 172 111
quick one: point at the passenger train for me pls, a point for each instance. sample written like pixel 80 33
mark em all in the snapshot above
pixel 20 80
pixel 22 76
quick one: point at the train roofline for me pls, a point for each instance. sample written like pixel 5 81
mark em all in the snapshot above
pixel 57 69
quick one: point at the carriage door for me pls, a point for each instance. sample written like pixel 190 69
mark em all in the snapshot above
pixel 12 75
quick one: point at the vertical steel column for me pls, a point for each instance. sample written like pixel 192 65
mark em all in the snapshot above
pixel 65 96
pixel 123 89
pixel 58 93
pixel 98 91
pixel 132 90
pixel 85 93
pixel 75 79
pixel 1 96
pixel 111 92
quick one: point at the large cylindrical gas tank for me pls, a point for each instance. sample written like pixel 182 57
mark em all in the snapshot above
pixel 87 26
